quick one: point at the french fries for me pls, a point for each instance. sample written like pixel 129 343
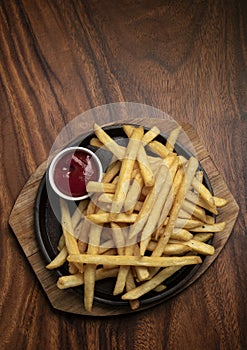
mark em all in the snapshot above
pixel 150 216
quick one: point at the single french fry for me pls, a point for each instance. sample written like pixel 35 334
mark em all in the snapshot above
pixel 69 281
pixel 172 138
pixel 199 247
pixel 130 284
pixel 90 269
pixel 145 168
pixel 128 129
pixel 187 223
pixel 105 217
pixel 76 280
pixel 108 142
pixel 142 272
pixel 78 213
pixel 151 284
pixel 159 148
pixel 70 241
pixel 209 228
pixel 134 193
pixel 59 260
pixel 95 187
pixel 150 135
pixel 178 201
pixel 61 243
pixel 125 260
pixel 118 238
pixel 112 171
pixel 169 249
pixel 220 202
pixel 96 142
pixel 199 176
pixel 202 237
pixel 123 270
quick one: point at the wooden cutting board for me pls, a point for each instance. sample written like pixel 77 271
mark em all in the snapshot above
pixel 22 223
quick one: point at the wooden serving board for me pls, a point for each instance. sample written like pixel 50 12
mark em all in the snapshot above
pixel 22 222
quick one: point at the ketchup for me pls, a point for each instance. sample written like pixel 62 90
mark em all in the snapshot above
pixel 73 171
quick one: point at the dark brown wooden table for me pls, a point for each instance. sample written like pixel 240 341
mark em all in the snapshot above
pixel 61 58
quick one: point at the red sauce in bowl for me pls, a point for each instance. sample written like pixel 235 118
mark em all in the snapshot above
pixel 73 171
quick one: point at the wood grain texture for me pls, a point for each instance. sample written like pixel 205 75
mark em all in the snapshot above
pixel 60 58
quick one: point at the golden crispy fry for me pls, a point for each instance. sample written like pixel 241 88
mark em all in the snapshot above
pixel 105 217
pixel 61 243
pixel 90 269
pixel 150 135
pixel 78 213
pixel 145 168
pixel 130 284
pixel 219 202
pixel 159 288
pixel 96 142
pixel 210 228
pixel 159 148
pixel 187 223
pixel 170 249
pixel 172 138
pixel 108 142
pixel 134 260
pixel 142 272
pixel 70 241
pixel 112 171
pixel 134 193
pixel 65 282
pixel 196 246
pixel 59 260
pixel 151 284
pixel 94 187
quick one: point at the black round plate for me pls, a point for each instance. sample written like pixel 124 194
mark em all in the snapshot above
pixel 48 229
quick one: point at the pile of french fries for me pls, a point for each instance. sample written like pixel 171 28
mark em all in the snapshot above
pixel 150 216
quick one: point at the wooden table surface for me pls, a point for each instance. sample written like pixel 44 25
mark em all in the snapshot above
pixel 61 58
